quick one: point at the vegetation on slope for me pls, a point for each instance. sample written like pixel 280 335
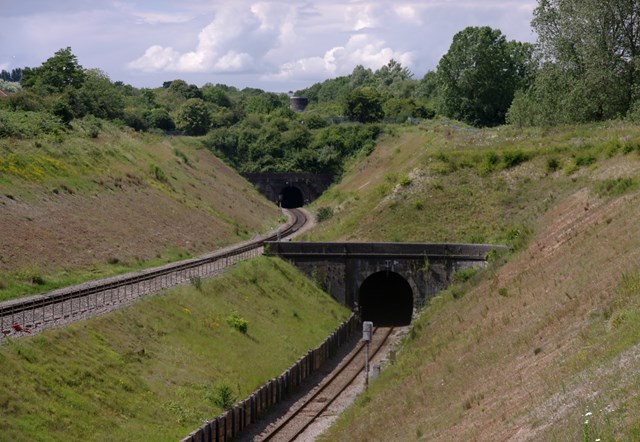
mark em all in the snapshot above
pixel 97 200
pixel 155 370
pixel 445 182
pixel 541 345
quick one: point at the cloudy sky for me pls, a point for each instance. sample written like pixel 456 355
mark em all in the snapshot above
pixel 273 45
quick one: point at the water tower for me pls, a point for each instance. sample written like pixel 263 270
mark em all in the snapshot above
pixel 298 104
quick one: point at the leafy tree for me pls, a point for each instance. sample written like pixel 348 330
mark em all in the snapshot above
pixel 97 96
pixel 361 76
pixel 14 76
pixel 193 117
pixel 479 75
pixel 216 95
pixel 364 104
pixel 57 73
pixel 594 46
pixel 160 119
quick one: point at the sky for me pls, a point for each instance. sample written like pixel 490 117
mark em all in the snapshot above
pixel 273 45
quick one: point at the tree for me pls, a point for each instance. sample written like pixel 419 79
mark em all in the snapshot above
pixel 594 45
pixel 160 119
pixel 364 104
pixel 97 96
pixel 193 117
pixel 56 74
pixel 479 75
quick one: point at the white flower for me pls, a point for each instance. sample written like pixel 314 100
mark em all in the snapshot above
pixel 588 413
pixel 586 421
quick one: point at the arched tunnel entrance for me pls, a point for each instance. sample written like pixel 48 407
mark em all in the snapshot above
pixel 291 197
pixel 386 299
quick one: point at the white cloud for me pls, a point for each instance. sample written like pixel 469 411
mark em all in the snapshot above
pixel 408 13
pixel 224 45
pixel 267 41
pixel 361 49
pixel 362 17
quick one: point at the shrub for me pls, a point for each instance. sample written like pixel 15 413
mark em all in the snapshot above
pixel 464 275
pixel 158 173
pixel 405 181
pixel 237 322
pixel 222 396
pixel 615 187
pixel 553 164
pixel 511 158
pixel 324 213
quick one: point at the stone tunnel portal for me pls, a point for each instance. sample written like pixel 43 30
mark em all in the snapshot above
pixel 386 299
pixel 291 197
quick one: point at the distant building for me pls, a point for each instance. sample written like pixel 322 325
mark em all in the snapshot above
pixel 298 104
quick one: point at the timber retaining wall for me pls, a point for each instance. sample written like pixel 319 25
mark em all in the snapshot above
pixel 230 424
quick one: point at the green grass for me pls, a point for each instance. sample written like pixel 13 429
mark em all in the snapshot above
pixel 549 330
pixel 154 371
pixel 174 173
pixel 470 185
pixel 34 280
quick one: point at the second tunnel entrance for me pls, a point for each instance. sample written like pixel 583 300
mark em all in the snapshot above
pixel 291 197
pixel 386 299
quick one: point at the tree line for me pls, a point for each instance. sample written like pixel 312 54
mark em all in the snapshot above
pixel 584 67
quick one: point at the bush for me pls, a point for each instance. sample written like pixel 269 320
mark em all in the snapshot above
pixel 511 158
pixel 237 322
pixel 21 124
pixel 553 164
pixel 222 396
pixel 324 213
pixel 463 275
pixel 615 187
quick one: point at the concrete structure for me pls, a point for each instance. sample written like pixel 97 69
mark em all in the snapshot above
pixel 298 104
pixel 382 282
pixel 290 189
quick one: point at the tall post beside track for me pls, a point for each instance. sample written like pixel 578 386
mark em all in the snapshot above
pixel 367 330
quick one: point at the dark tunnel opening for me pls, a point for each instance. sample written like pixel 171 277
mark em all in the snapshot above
pixel 386 299
pixel 291 198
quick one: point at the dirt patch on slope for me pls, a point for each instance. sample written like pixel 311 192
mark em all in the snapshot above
pixel 126 215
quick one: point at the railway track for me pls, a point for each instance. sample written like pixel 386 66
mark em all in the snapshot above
pixel 24 316
pixel 306 412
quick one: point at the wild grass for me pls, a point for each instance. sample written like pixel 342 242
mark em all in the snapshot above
pixel 81 170
pixel 541 343
pixel 33 280
pixel 155 370
pixel 469 185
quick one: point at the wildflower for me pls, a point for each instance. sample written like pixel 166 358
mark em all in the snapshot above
pixel 586 421
pixel 588 413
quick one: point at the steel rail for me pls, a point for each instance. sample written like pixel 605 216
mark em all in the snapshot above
pixel 59 304
pixel 280 426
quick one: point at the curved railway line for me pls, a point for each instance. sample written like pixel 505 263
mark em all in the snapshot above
pixel 23 316
pixel 307 411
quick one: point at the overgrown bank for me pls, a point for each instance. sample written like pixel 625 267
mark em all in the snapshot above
pixel 97 200
pixel 155 370
pixel 542 346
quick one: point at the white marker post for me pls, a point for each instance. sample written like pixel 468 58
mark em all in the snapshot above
pixel 367 331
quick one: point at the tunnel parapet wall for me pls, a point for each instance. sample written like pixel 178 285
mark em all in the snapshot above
pixel 341 267
pixel 273 184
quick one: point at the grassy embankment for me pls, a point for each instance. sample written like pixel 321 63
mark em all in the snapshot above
pixel 155 370
pixel 543 344
pixel 98 200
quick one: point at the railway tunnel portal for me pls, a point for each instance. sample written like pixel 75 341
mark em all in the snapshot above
pixel 290 189
pixel 382 282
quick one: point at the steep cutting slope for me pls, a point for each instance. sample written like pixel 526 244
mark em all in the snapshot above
pixel 78 207
pixel 544 344
pixel 155 370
